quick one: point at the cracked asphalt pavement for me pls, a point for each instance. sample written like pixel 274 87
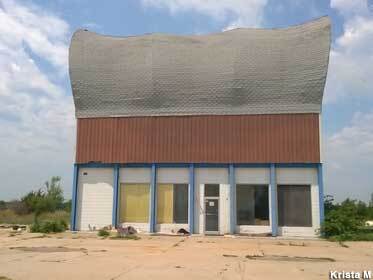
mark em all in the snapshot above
pixel 86 256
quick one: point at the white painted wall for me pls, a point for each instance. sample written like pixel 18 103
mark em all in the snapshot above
pixel 211 176
pixel 287 176
pixel 224 206
pixel 299 176
pixel 95 198
pixel 252 176
pixel 134 175
pixel 173 175
pixel 199 212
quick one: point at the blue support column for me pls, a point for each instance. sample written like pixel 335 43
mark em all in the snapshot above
pixel 74 198
pixel 321 191
pixel 115 196
pixel 191 199
pixel 232 183
pixel 274 208
pixel 152 206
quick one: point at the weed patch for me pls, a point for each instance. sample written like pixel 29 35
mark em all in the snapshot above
pixel 8 216
pixel 126 237
pixel 103 233
pixel 356 236
pixel 49 226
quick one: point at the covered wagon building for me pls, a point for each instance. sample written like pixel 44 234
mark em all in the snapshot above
pixel 217 133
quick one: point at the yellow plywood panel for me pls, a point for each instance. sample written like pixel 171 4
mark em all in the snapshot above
pixel 165 202
pixel 134 203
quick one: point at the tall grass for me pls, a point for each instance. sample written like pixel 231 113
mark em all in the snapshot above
pixel 9 217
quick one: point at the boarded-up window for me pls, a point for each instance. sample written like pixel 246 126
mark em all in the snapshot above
pixel 172 203
pixel 165 203
pixel 252 205
pixel 134 203
pixel 294 205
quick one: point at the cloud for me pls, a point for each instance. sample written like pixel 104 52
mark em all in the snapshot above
pixel 348 7
pixel 44 34
pixel 351 58
pixel 348 152
pixel 36 113
pixel 349 159
pixel 234 13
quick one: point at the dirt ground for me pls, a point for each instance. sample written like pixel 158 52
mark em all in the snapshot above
pixel 86 256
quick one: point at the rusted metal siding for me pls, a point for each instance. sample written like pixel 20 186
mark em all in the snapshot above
pixel 285 138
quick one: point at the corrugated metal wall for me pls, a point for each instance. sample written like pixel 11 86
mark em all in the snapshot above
pixel 199 139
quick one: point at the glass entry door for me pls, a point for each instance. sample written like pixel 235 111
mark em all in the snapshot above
pixel 211 208
pixel 212 215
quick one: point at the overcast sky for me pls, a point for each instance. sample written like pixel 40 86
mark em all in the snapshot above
pixel 37 134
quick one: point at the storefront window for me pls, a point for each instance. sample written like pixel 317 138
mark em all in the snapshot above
pixel 172 203
pixel 294 205
pixel 252 205
pixel 134 203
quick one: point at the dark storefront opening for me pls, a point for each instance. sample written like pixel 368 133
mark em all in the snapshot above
pixel 294 205
pixel 252 205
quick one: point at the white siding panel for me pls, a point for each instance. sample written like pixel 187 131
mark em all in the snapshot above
pixel 135 175
pixel 173 175
pixel 296 176
pixel 252 175
pixel 315 206
pixel 199 218
pixel 211 175
pixel 95 198
pixel 224 205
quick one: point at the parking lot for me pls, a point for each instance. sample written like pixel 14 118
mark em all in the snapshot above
pixel 86 256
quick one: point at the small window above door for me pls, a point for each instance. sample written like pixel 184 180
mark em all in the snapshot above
pixel 212 190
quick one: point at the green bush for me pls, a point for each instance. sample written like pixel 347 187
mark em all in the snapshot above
pixel 342 220
pixel 103 233
pixel 49 199
pixel 49 226
pixel 345 221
